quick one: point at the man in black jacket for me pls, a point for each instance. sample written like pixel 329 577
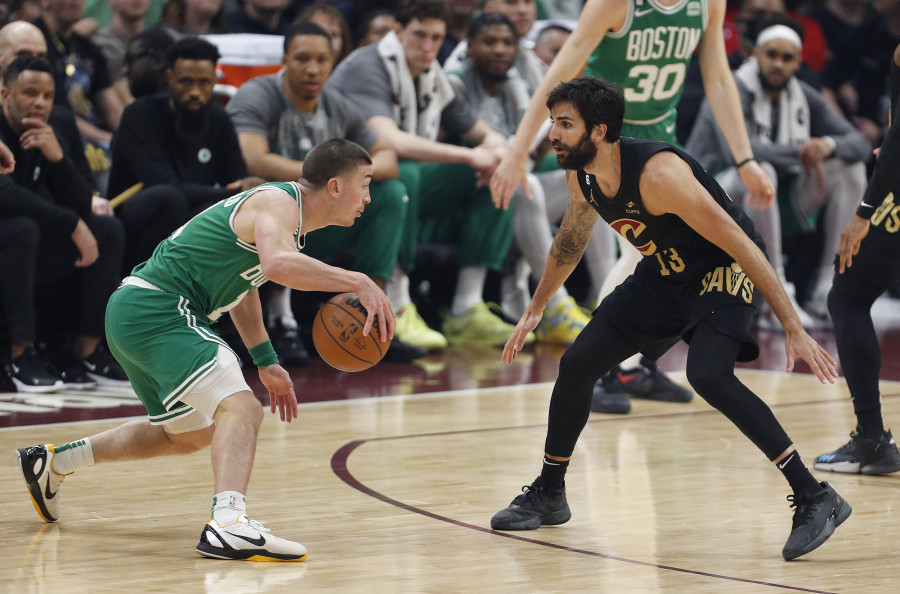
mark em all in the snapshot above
pixel 45 204
pixel 181 146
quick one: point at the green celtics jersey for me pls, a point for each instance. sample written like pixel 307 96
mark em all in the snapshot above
pixel 205 261
pixel 649 57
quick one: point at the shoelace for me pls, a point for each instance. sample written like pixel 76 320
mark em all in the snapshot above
pixel 804 507
pixel 257 525
pixel 529 494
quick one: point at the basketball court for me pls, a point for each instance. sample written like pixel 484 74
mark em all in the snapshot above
pixel 390 477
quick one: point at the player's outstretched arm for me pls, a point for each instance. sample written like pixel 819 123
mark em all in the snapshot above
pixel 248 319
pixel 669 186
pixel 567 249
pixel 597 18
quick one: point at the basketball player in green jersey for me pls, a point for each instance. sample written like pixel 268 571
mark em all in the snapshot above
pixel 158 328
pixel 644 46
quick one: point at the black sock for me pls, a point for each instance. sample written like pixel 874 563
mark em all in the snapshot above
pixel 797 474
pixel 870 424
pixel 553 473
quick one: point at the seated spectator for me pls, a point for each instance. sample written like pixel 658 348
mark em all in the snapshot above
pixel 549 41
pixel 145 62
pixel 46 204
pixel 334 23
pixel 195 17
pixel 741 29
pixel 815 158
pixel 181 146
pixel 101 12
pixel 523 14
pixel 127 21
pixel 406 98
pixel 279 118
pixel 21 38
pixel 459 16
pixel 81 75
pixel 497 95
pixel 267 17
pixel 374 26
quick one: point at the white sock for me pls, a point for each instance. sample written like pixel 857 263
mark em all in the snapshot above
pixel 279 303
pixel 398 289
pixel 228 506
pixel 469 289
pixel 72 456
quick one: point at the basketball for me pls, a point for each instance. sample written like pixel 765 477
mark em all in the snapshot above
pixel 337 334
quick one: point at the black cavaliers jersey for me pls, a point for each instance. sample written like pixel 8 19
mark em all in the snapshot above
pixel 669 245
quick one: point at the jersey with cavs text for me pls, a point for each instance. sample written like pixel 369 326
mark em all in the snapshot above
pixel 669 245
pixel 206 262
pixel 649 58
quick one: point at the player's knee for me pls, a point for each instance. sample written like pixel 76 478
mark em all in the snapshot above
pixel 245 406
pixel 710 381
pixel 581 362
pixel 192 441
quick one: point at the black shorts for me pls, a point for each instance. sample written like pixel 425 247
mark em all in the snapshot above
pixel 876 266
pixel 655 314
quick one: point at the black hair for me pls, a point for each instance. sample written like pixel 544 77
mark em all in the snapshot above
pixel 157 40
pixel 304 28
pixel 191 48
pixel 408 10
pixel 332 158
pixel 362 28
pixel 554 27
pixel 489 19
pixel 597 101
pixel 23 63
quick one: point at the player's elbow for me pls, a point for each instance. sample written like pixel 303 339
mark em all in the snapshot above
pixel 275 268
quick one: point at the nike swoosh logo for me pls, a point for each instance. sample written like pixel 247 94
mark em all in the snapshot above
pixel 261 541
pixel 640 13
pixel 90 366
pixel 783 464
pixel 47 493
pixel 626 377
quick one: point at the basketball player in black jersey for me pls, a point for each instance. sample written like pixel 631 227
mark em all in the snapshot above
pixel 868 265
pixel 700 279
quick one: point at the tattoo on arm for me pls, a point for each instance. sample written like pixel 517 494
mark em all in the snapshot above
pixel 574 233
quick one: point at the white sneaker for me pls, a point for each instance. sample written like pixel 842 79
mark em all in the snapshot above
pixel 248 540
pixel 43 483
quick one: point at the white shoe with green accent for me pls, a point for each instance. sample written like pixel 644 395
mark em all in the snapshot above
pixel 43 483
pixel 247 540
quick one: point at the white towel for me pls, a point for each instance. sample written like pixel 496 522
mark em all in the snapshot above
pixel 417 113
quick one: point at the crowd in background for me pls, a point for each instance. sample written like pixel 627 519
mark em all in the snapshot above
pixel 129 131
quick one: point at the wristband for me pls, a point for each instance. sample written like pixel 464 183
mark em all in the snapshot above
pixel 865 211
pixel 263 354
pixel 744 162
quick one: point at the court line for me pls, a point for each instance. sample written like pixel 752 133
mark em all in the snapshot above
pixel 339 465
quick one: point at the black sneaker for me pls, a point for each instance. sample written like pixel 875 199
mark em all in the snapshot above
pixel 648 381
pixel 103 368
pixel 816 515
pixel 32 372
pixel 69 368
pixel 537 506
pixel 862 455
pixel 609 396
pixel 6 381
pixel 401 352
pixel 286 342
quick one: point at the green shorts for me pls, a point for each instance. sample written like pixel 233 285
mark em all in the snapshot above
pixel 164 345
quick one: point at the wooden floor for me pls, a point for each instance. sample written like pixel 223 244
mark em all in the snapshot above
pixel 394 493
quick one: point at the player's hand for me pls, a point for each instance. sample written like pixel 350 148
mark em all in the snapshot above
pixel 800 344
pixel 852 235
pixel 40 135
pixel 516 341
pixel 760 191
pixel 281 391
pixel 86 244
pixel 7 160
pixel 379 308
pixel 512 171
